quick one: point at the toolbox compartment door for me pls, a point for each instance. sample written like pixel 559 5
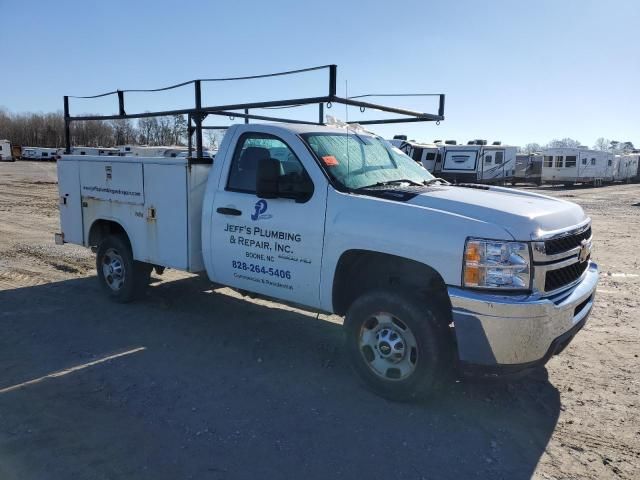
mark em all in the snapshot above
pixel 112 181
pixel 166 215
pixel 69 201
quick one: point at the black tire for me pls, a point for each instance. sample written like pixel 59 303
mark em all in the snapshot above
pixel 434 352
pixel 134 276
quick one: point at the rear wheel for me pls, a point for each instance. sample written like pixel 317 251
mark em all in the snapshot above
pixel 397 345
pixel 121 277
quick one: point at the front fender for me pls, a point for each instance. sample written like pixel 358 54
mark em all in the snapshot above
pixel 429 236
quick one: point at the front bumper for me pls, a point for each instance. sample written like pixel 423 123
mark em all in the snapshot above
pixel 500 333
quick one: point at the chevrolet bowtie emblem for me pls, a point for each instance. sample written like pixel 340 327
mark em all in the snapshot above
pixel 585 251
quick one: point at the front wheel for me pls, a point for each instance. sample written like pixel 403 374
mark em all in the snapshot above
pixel 397 344
pixel 121 277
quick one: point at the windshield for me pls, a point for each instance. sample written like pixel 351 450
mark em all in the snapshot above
pixel 358 161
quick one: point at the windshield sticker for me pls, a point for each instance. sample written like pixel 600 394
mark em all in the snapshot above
pixel 330 161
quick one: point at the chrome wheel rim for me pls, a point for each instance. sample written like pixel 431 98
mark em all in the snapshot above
pixel 113 269
pixel 388 347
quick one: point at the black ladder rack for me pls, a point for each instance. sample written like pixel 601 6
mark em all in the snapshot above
pixel 197 115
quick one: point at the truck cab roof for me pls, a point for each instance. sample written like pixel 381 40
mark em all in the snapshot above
pixel 300 129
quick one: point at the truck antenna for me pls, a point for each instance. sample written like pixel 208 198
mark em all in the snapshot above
pixel 346 119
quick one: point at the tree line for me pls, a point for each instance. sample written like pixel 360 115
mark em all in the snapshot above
pixel 602 144
pixel 47 130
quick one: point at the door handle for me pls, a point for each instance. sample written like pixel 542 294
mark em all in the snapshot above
pixel 229 211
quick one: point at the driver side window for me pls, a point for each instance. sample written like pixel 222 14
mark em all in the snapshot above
pixel 251 149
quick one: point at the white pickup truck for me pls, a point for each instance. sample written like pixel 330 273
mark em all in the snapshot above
pixel 428 275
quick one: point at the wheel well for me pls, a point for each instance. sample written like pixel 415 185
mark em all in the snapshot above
pixel 359 271
pixel 103 228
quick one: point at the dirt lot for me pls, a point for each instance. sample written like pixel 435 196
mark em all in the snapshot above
pixel 224 388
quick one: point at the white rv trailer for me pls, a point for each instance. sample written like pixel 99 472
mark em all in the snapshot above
pixel 40 153
pixel 95 151
pixel 5 151
pixel 426 154
pixel 148 151
pixel 627 167
pixel 205 153
pixel 528 169
pixel 576 165
pixel 476 162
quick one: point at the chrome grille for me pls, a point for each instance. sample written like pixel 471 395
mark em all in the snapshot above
pixel 555 279
pixel 557 259
pixel 566 242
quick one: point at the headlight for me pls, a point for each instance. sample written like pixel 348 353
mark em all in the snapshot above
pixel 496 264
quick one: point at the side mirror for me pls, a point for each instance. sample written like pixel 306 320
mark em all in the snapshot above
pixel 296 186
pixel 267 176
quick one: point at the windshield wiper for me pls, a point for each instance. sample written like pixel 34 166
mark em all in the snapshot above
pixel 392 182
pixel 437 179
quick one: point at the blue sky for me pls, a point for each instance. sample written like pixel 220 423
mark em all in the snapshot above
pixel 516 71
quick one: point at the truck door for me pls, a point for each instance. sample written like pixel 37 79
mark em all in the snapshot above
pixel 268 246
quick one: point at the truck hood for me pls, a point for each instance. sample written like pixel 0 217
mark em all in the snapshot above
pixel 524 215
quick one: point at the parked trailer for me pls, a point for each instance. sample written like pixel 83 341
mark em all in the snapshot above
pixel 528 169
pixel 6 154
pixel 569 166
pixel 476 163
pixel 205 154
pixel 170 151
pixel 426 154
pixel 38 153
pixel 627 167
pixel 95 151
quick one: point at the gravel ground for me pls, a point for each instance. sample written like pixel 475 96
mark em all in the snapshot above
pixel 222 387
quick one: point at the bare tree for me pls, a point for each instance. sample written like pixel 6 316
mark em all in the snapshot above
pixel 164 132
pixel 47 130
pixel 627 147
pixel 564 143
pixel 213 138
pixel 619 147
pixel 602 144
pixel 179 130
pixel 531 148
pixel 124 131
